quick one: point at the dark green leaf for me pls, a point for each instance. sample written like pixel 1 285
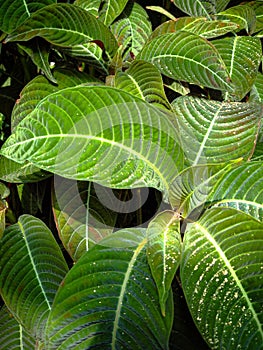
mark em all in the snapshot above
pixel 201 7
pixel 111 9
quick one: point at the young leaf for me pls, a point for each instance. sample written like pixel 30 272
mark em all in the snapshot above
pixel 187 57
pixel 221 273
pixel 164 252
pixel 241 188
pixel 95 133
pixel 143 80
pixel 217 131
pixel 31 269
pixel 109 300
pixel 111 9
pixel 201 7
pixel 65 25
pixel 15 12
pixel 242 56
pixel 13 336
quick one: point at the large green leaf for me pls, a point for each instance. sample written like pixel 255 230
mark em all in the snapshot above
pixel 12 334
pixel 65 25
pixel 100 134
pixel 82 220
pixel 188 57
pixel 241 188
pixel 197 25
pixel 221 274
pixel 89 5
pixel 15 12
pixel 164 252
pixel 111 9
pixel 143 80
pixel 31 269
pixel 242 56
pixel 201 7
pixel 217 131
pixel 109 300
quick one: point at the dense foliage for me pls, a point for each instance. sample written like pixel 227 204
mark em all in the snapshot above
pixel 131 175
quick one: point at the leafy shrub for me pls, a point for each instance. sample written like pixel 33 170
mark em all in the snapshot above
pixel 131 166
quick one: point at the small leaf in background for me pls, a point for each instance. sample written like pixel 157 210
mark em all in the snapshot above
pixel 109 300
pixel 91 6
pixel 65 25
pixel 187 57
pixel 221 275
pixel 143 80
pixel 242 56
pixel 243 15
pixel 111 9
pixel 4 192
pixel 179 88
pixel 164 252
pixel 241 188
pixel 15 12
pixel 31 269
pixel 201 7
pixel 218 132
pixel 13 336
pixel 256 94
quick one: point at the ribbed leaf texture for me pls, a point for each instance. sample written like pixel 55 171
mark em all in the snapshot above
pixel 188 57
pixel 201 7
pixel 217 132
pixel 89 5
pixel 242 188
pixel 100 134
pixel 258 8
pixel 31 269
pixel 65 25
pixel 111 9
pixel 15 12
pixel 109 300
pixel 256 93
pixel 221 274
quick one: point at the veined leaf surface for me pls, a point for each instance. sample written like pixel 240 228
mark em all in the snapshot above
pixel 201 7
pixel 111 9
pixel 31 269
pixel 15 12
pixel 209 126
pixel 99 134
pixel 256 94
pixel 65 25
pixel 109 300
pixel 188 57
pixel 89 5
pixel 221 274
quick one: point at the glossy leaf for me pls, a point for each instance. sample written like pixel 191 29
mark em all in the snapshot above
pixel 82 220
pixel 241 188
pixel 12 334
pixel 95 133
pixel 143 80
pixel 197 25
pixel 242 56
pixel 15 12
pixel 31 269
pixel 258 8
pixel 109 300
pixel 201 7
pixel 38 88
pixel 221 275
pixel 89 5
pixel 132 29
pixel 164 252
pixel 65 25
pixel 187 57
pixel 111 9
pixel 217 131
pixel 256 94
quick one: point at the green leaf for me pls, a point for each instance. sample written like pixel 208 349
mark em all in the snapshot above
pixel 13 336
pixel 65 25
pixel 258 8
pixel 162 11
pixel 4 192
pixel 197 25
pixel 15 12
pixel 201 7
pixel 143 80
pixel 38 88
pixel 95 133
pixel 188 57
pixel 242 56
pixel 218 132
pixel 256 94
pixel 31 269
pixel 241 188
pixel 109 300
pixel 164 252
pixel 89 5
pixel 221 273
pixel 132 29
pixel 111 9
pixel 243 15
pixel 82 220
